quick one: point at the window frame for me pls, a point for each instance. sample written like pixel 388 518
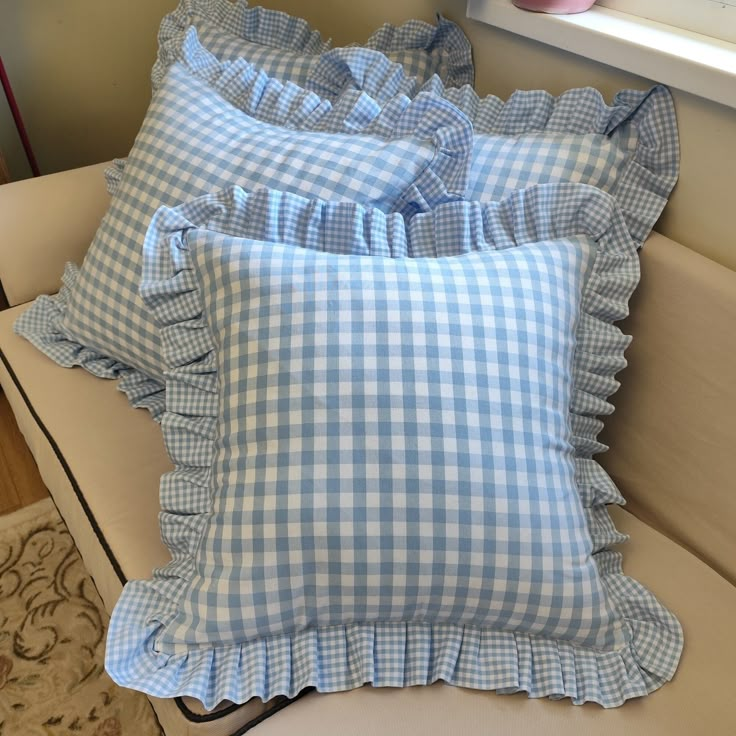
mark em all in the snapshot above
pixel 714 18
pixel 688 61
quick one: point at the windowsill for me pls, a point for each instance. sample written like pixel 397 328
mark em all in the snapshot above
pixel 688 61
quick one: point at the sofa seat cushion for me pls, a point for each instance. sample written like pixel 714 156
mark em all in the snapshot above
pixel 115 455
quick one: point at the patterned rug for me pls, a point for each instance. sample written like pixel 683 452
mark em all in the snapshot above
pixel 52 638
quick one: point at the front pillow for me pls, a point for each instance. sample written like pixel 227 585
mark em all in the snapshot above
pixel 287 49
pixel 205 128
pixel 374 478
pixel 629 149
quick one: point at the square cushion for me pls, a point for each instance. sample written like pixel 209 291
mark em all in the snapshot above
pixel 629 149
pixel 375 479
pixel 206 128
pixel 288 49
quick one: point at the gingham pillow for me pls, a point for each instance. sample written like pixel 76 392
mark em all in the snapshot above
pixel 374 478
pixel 288 49
pixel 629 149
pixel 198 134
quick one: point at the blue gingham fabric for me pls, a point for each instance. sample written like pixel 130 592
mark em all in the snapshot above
pixel 114 175
pixel 629 149
pixel 288 49
pixel 360 439
pixel 205 128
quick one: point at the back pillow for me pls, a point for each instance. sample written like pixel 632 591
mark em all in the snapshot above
pixel 201 132
pixel 629 149
pixel 288 49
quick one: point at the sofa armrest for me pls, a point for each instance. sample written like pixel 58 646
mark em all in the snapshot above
pixel 44 223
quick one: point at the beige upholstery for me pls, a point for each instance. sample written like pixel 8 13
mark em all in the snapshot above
pixel 45 222
pixel 673 435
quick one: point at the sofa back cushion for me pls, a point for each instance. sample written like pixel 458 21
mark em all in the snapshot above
pixel 673 433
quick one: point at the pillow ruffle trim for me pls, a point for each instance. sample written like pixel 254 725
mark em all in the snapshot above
pixel 257 25
pixel 40 324
pixel 448 50
pixel 445 42
pixel 114 175
pixel 343 657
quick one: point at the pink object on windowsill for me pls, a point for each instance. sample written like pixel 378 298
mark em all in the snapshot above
pixel 554 6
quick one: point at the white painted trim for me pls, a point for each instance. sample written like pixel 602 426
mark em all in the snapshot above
pixel 715 18
pixel 682 59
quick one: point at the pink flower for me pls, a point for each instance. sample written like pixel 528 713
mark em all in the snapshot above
pixel 6 665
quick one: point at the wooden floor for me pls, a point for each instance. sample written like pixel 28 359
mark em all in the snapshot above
pixel 20 483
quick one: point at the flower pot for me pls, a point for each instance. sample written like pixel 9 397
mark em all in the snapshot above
pixel 554 6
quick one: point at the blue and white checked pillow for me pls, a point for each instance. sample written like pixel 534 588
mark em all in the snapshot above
pixel 287 49
pixel 374 478
pixel 203 130
pixel 629 149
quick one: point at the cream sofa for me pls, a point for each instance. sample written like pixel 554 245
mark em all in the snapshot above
pixel 674 457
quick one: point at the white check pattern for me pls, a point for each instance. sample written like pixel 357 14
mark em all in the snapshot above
pixel 288 49
pixel 304 515
pixel 205 129
pixel 629 149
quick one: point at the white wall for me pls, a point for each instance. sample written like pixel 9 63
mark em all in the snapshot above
pixel 80 69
